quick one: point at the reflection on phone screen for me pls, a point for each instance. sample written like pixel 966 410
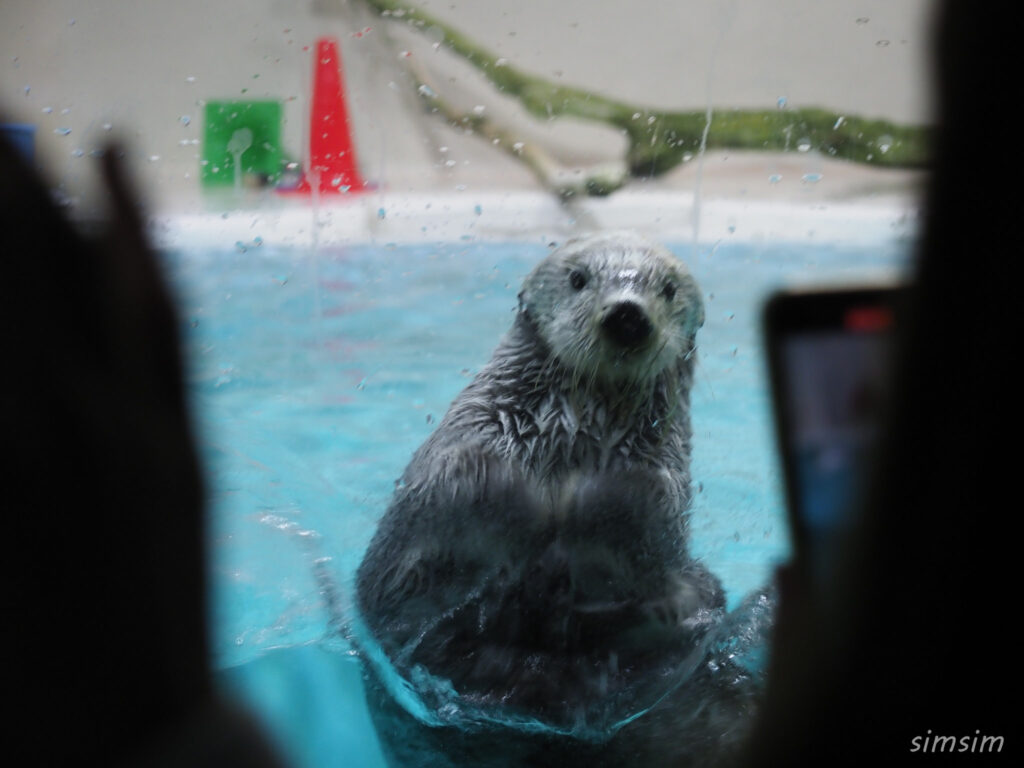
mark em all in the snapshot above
pixel 837 385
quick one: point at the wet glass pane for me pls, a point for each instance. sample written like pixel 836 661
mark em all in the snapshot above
pixel 349 197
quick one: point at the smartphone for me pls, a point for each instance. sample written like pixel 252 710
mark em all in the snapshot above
pixel 830 363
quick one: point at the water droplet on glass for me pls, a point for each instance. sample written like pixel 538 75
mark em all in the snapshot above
pixel 47 110
pixel 839 121
pixel 77 152
pixel 803 144
pixel 62 131
pixel 775 178
pixel 185 119
pixel 425 90
pixel 863 20
pixel 518 146
pixel 477 210
pixel 190 79
pixel 501 62
pixel 881 43
pixel 107 126
pixel 811 178
pixel 885 143
pixel 381 213
pixel 479 109
pixel 27 89
pixel 781 102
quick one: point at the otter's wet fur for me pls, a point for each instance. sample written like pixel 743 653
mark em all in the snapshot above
pixel 534 557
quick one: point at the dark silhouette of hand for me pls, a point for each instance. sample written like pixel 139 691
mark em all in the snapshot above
pixel 104 508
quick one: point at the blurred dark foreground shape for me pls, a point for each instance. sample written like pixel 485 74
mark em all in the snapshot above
pixel 106 660
pixel 915 641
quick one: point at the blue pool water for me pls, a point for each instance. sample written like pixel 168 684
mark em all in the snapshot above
pixel 314 376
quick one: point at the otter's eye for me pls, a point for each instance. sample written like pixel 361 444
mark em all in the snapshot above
pixel 577 279
pixel 669 291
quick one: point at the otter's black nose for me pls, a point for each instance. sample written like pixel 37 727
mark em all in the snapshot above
pixel 627 324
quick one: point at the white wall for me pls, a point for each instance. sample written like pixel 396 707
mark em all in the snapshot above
pixel 142 66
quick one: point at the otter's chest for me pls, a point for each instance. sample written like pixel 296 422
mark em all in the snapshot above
pixel 557 431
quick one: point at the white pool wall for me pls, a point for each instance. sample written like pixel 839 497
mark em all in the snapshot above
pixel 385 218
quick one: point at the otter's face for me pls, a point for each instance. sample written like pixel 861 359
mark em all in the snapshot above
pixel 614 307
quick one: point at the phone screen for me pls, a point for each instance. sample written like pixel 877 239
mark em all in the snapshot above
pixel 831 359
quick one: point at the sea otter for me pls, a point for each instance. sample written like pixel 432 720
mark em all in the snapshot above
pixel 532 570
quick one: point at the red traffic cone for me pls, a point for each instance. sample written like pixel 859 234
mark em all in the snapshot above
pixel 332 158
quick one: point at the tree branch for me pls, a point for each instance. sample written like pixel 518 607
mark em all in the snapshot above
pixel 660 140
